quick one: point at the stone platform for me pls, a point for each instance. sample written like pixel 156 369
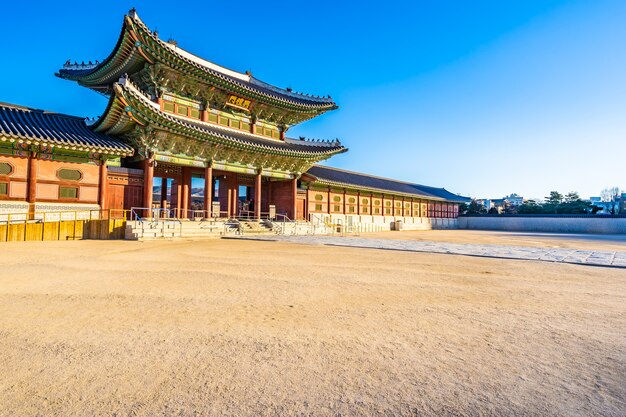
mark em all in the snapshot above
pixel 572 256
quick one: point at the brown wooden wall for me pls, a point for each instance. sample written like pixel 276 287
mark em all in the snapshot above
pixel 336 201
pixel 48 181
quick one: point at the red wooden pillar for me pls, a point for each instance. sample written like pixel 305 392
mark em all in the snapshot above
pixel 102 192
pixel 229 197
pixel 148 177
pixel 208 189
pixel 257 196
pixel 185 192
pixel 32 184
pixel 234 195
pixel 179 198
pixel 294 194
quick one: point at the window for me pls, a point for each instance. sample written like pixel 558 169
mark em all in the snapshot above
pixel 364 210
pixel 195 113
pixel 168 106
pixel 337 208
pixel 337 198
pixel 351 200
pixel 234 124
pixel 365 201
pixel 351 209
pixel 5 168
pixel 68 192
pixel 319 197
pixel 318 207
pixel 69 175
pixel 224 121
pixel 245 126
pixel 4 188
pixel 212 117
pixel 182 110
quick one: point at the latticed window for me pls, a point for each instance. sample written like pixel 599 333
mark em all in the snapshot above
pixel 337 198
pixel 319 197
pixel 351 200
pixel 168 106
pixel 69 174
pixel 318 207
pixel 68 192
pixel 182 110
pixel 5 168
pixel 4 188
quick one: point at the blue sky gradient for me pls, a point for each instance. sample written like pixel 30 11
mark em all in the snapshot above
pixel 484 98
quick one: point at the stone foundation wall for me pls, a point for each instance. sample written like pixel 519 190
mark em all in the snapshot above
pixel 385 222
pixel 600 225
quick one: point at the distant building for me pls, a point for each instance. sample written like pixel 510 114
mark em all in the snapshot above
pixel 500 204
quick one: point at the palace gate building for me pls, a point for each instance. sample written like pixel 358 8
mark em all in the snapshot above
pixel 174 116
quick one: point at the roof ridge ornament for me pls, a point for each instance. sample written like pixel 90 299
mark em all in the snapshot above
pixel 132 13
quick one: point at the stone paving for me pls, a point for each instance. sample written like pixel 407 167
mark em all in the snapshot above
pixel 573 256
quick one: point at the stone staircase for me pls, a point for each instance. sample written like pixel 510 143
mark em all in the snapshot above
pixel 173 229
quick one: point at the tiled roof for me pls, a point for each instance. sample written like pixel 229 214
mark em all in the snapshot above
pixel 40 127
pixel 339 177
pixel 127 57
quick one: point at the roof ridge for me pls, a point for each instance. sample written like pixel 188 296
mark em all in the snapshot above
pixel 378 177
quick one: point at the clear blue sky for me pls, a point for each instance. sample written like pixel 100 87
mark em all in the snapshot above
pixel 484 98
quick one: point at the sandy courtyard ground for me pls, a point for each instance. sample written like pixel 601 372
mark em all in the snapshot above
pixel 244 328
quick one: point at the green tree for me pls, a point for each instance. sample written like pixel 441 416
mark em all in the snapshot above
pixel 476 208
pixel 531 207
pixel 571 197
pixel 554 198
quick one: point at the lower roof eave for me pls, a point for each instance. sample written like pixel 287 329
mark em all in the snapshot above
pixel 382 191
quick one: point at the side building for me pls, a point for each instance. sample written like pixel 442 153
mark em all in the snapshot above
pixel 172 117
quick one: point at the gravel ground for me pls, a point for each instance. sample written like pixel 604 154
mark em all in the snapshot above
pixel 246 328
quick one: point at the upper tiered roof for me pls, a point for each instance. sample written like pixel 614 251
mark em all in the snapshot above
pixel 138 46
pixel 39 127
